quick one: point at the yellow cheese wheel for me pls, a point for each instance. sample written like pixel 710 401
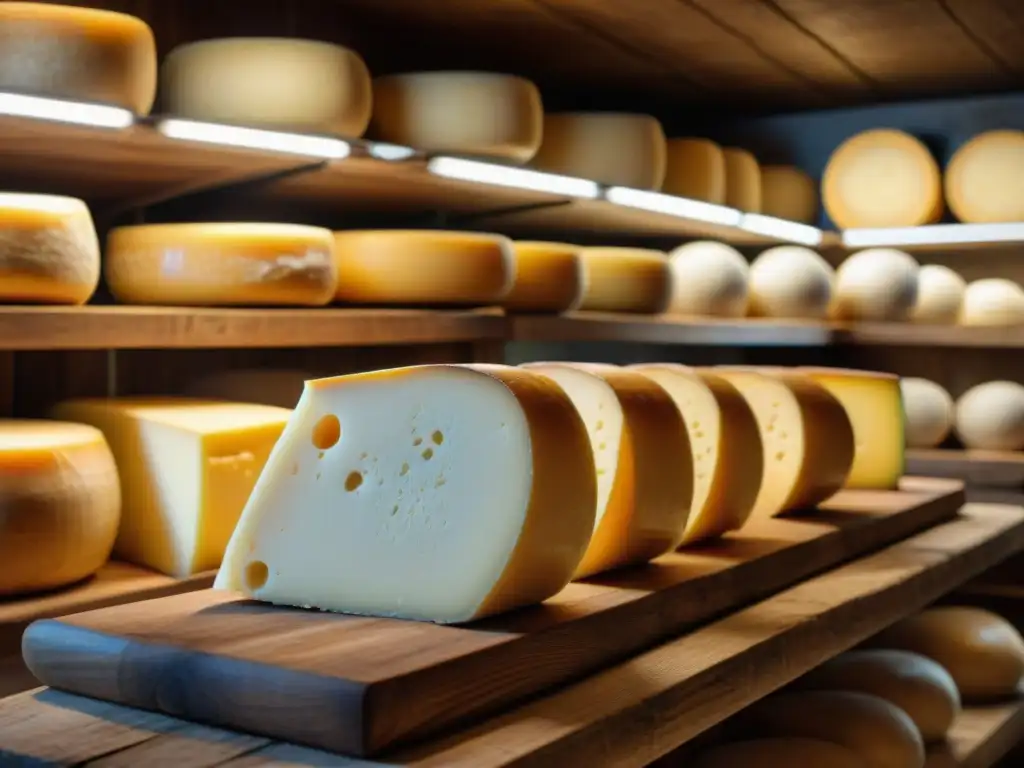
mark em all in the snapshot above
pixel 49 253
pixel 549 278
pixel 779 753
pixel 61 504
pixel 625 280
pixel 282 388
pixel 928 412
pixel 788 193
pixel 990 416
pixel 695 168
pixel 985 178
pixel 742 180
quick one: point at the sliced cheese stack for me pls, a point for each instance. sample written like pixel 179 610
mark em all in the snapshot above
pixel 695 168
pixel 221 264
pixel 625 280
pixel 779 753
pixel 708 279
pixel 993 301
pixel 928 413
pixel 480 476
pixel 186 469
pixel 470 113
pixel 61 504
pixel 990 416
pixel 282 83
pixel 549 278
pixel 879 284
pixel 282 388
pixel 788 193
pixel 985 178
pixel 940 295
pixel 790 281
pixel 49 253
pixel 742 180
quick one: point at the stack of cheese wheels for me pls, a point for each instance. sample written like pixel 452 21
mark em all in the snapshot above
pixel 928 412
pixel 940 295
pixel 990 416
pixel 742 180
pixel 75 53
pixel 470 113
pixel 985 178
pixel 779 753
pixel 550 277
pixel 708 279
pixel 788 193
pixel 625 280
pixel 283 83
pixel 993 301
pixel 695 168
pixel 879 284
pixel 282 388
pixel 790 281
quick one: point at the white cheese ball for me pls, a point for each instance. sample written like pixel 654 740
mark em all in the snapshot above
pixel 708 278
pixel 993 301
pixel 790 281
pixel 876 284
pixel 991 416
pixel 940 294
pixel 928 412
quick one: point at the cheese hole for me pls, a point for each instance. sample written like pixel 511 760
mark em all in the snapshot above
pixel 353 481
pixel 437 437
pixel 327 432
pixel 256 575
pixel 428 454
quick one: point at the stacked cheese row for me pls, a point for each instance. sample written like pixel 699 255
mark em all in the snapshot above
pixel 988 416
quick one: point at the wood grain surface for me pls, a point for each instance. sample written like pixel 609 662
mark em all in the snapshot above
pixel 991 469
pixel 980 737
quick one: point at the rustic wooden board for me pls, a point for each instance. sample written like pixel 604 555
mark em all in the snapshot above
pixel 359 685
pixel 981 737
pixel 991 469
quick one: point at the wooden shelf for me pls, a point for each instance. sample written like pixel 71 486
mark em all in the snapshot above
pixel 992 469
pixel 981 737
pixel 913 335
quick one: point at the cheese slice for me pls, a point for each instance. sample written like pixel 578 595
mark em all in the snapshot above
pixel 549 278
pixel 186 469
pixel 49 253
pixel 788 193
pixel 695 168
pixel 742 180
pixel 779 753
pixel 985 178
pixel 221 264
pixel 990 416
pixel 625 280
pixel 282 388
pixel 708 279
pixel 643 458
pixel 437 493
pixel 61 504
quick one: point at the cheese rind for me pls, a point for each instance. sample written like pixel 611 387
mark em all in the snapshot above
pixel 879 284
pixel 281 388
pixel 742 180
pixel 985 178
pixel 928 412
pixel 940 295
pixel 789 281
pixel 787 752
pixel 695 169
pixel 625 280
pixel 550 277
pixel 990 416
pixel 788 193
pixel 993 301
pixel 708 279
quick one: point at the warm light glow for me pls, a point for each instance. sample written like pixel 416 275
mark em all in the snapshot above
pixel 670 205
pixel 937 234
pixel 390 152
pixel 781 229
pixel 507 176
pixel 255 138
pixel 64 111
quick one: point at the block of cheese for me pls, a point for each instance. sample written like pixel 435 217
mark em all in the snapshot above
pixel 874 403
pixel 788 193
pixel 928 412
pixel 275 82
pixel 742 180
pixel 61 504
pixel 186 469
pixel 982 651
pixel 221 264
pixel 643 460
pixel 49 253
pixel 882 178
pixel 728 457
pixel 790 281
pixel 708 279
pixel 779 753
pixel 83 54
pixel 940 295
pixel 990 416
pixel 993 301
pixel 423 267
pixel 985 178
pixel 806 433
pixel 695 168
pixel 613 148
pixel 625 280
pixel 266 386
pixel 479 476
pixel 549 278
pixel 878 284
pixel 483 114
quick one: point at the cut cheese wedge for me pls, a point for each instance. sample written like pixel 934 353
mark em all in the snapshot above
pixel 436 493
pixel 788 193
pixel 549 278
pixel 643 459
pixel 695 169
pixel 625 280
pixel 282 388
pixel 742 180
pixel 779 753
pixel 985 178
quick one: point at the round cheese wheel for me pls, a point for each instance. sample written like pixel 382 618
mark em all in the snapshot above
pixel 992 301
pixel 790 281
pixel 469 113
pixel 282 388
pixel 49 253
pixel 788 193
pixel 991 416
pixel 985 178
pixel 221 265
pixel 877 284
pixel 779 753
pixel 940 295
pixel 708 279
pixel 61 503
pixel 625 280
pixel 612 148
pixel 981 650
pixel 882 178
pixel 282 83
pixel 549 278
pixel 742 180
pixel 695 168
pixel 928 413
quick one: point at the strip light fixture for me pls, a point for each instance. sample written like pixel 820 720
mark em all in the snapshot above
pixel 670 205
pixel 509 176
pixel 255 138
pixel 781 229
pixel 936 234
pixel 64 111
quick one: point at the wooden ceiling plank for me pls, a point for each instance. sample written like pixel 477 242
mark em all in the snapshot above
pixel 995 26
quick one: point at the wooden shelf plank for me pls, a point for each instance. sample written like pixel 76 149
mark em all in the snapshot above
pixel 991 469
pixel 912 335
pixel 981 737
pixel 939 238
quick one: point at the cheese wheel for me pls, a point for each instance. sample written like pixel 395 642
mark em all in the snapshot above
pixel 616 149
pixel 992 301
pixel 788 193
pixel 708 279
pixel 940 295
pixel 643 460
pixel 625 280
pixel 49 253
pixel 877 284
pixel 985 178
pixel 61 504
pixel 914 683
pixel 779 753
pixel 695 168
pixel 480 476
pixel 928 413
pixel 728 457
pixel 282 388
pixel 742 180
pixel 423 267
pixel 221 264
pixel 981 650
pixel 550 277
pixel 990 416
pixel 468 113
pixel 277 82
pixel 882 178
pixel 790 281
pixel 807 438
pixel 82 54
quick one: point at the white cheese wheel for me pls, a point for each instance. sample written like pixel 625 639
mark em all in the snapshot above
pixel 877 284
pixel 276 82
pixel 550 277
pixel 790 281
pixel 695 169
pixel 221 264
pixel 788 193
pixel 985 178
pixel 467 113
pixel 708 279
pixel 625 280
pixel 928 412
pixel 480 476
pixel 82 54
pixel 779 753
pixel 61 504
pixel 49 253
pixel 282 388
pixel 992 301
pixel 940 295
pixel 612 148
pixel 742 180
pixel 990 416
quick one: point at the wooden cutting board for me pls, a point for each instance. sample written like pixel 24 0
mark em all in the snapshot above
pixel 357 685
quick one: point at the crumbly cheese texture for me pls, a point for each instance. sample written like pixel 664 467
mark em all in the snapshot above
pixel 221 265
pixel 625 280
pixel 549 278
pixel 643 459
pixel 479 477
pixel 61 504
pixel 49 253
pixel 990 416
pixel 985 178
pixel 708 279
pixel 186 469
pixel 83 54
pixel 992 301
pixel 940 295
pixel 879 284
pixel 928 412
pixel 282 387
pixel 780 752
pixel 695 169
pixel 788 193
pixel 282 83
pixel 742 180
pixel 791 282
